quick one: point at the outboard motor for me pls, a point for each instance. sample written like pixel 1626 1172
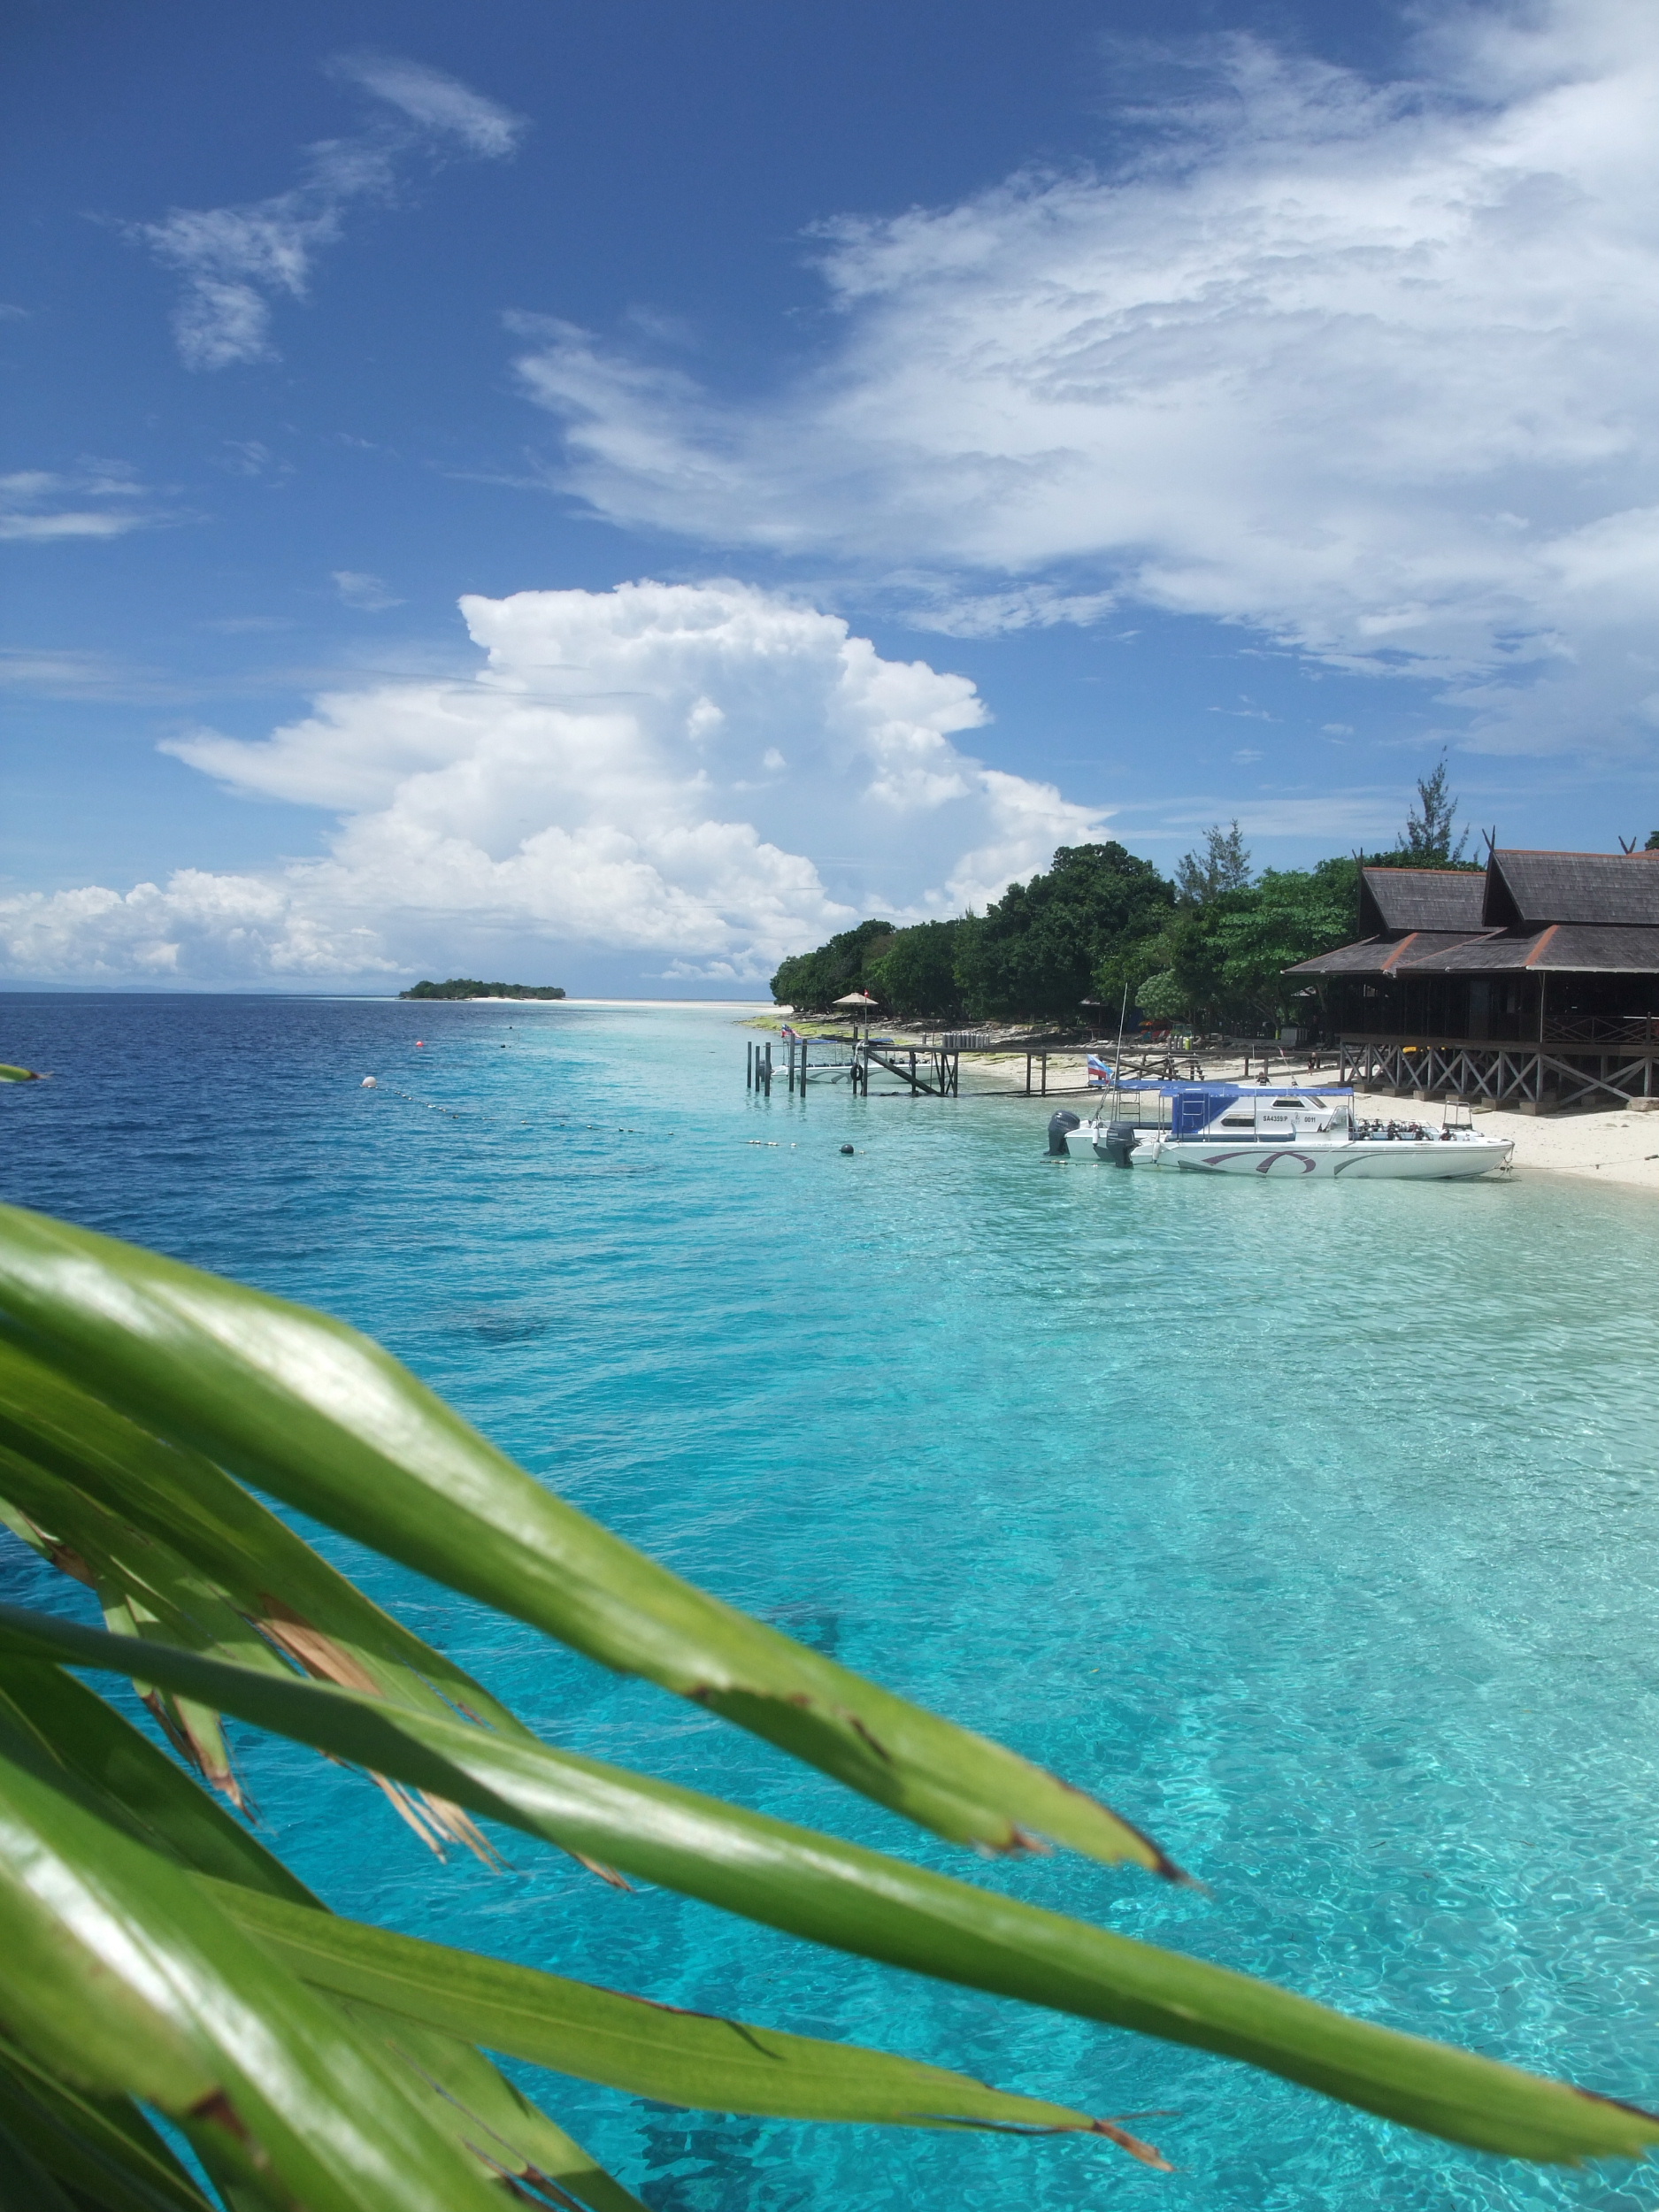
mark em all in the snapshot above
pixel 1119 1142
pixel 1060 1125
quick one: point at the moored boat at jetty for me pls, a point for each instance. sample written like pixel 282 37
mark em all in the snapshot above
pixel 1281 1131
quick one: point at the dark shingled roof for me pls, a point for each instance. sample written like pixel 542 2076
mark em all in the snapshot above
pixel 1499 952
pixel 1382 955
pixel 1420 898
pixel 1572 912
pixel 1525 890
pixel 1573 947
pixel 1610 947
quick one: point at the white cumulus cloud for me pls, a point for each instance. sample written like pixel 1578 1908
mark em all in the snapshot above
pixel 700 777
pixel 235 261
pixel 1368 368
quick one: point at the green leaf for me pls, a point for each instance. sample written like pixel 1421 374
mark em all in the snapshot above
pixel 464 2096
pixel 150 1589
pixel 102 2147
pixel 240 1553
pixel 323 1419
pixel 657 2051
pixel 118 1975
pixel 26 2185
pixel 860 1900
pixel 65 1732
pixel 596 2034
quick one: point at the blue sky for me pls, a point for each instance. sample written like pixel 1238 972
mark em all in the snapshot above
pixel 608 496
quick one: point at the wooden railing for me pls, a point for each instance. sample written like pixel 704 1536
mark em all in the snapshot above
pixel 1533 1076
pixel 1604 1029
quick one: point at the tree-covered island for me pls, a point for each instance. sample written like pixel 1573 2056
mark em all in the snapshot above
pixel 469 987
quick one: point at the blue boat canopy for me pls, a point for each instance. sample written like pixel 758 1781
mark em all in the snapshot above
pixel 1222 1092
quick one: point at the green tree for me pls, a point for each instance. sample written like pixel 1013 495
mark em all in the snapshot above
pixel 1652 846
pixel 814 980
pixel 1161 998
pixel 1035 951
pixel 1427 840
pixel 1224 865
pixel 1228 959
pixel 156 1956
pixel 916 977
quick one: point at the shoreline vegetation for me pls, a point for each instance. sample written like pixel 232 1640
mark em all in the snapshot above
pixel 469 987
pixel 1100 929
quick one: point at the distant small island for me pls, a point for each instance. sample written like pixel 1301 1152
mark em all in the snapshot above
pixel 468 987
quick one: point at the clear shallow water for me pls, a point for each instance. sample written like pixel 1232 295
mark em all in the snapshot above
pixel 1314 1528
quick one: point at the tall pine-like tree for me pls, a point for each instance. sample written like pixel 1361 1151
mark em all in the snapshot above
pixel 1427 839
pixel 1224 865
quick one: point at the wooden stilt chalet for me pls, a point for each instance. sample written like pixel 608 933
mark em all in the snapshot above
pixel 1533 985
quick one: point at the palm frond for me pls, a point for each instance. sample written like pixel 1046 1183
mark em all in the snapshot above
pixel 102 2149
pixel 118 1976
pixel 854 1899
pixel 324 1419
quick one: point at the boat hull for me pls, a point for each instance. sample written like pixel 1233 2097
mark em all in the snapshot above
pixel 1378 1160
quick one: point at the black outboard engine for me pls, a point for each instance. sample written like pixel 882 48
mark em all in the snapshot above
pixel 1119 1142
pixel 1059 1125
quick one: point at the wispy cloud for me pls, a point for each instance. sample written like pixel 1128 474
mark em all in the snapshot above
pixel 937 603
pixel 44 674
pixel 236 261
pixel 1366 368
pixel 436 103
pixel 368 594
pixel 1249 711
pixel 100 499
pixel 250 456
pixel 1365 815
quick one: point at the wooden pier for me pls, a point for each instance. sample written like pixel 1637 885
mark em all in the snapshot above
pixel 927 1071
pixel 932 1065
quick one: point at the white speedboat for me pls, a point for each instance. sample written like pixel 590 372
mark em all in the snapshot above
pixel 1285 1134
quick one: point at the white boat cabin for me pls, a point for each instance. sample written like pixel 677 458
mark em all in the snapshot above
pixel 1270 1113
pixel 1267 1113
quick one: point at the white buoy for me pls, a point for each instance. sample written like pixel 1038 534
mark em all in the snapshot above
pixel 369 1083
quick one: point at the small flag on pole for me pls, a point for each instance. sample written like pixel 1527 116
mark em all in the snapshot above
pixel 1101 1078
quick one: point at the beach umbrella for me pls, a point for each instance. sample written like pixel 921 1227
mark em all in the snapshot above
pixel 860 1001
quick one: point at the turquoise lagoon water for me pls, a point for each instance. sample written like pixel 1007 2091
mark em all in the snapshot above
pixel 1315 1528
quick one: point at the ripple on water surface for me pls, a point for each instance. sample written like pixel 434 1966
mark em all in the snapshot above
pixel 1315 1528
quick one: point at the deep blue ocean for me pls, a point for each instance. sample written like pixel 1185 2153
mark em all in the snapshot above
pixel 1314 1527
